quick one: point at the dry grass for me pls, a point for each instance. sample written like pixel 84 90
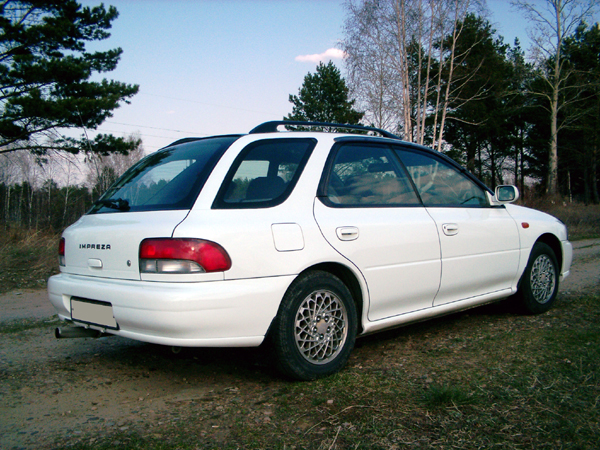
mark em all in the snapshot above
pixel 27 259
pixel 583 221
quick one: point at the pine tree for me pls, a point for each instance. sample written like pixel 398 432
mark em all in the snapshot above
pixel 45 74
pixel 323 97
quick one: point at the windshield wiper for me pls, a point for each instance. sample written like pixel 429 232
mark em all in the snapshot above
pixel 115 203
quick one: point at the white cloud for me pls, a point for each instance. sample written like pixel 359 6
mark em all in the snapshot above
pixel 332 53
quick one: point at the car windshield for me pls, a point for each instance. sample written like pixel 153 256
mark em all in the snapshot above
pixel 166 180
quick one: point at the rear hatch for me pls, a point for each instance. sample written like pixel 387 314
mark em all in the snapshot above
pixel 148 201
pixel 107 245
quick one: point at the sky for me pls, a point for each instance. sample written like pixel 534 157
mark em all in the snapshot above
pixel 208 67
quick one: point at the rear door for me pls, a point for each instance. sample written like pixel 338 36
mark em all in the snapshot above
pixel 369 212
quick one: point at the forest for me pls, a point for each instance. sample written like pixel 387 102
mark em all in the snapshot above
pixel 54 191
pixel 435 72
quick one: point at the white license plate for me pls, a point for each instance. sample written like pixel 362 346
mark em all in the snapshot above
pixel 95 313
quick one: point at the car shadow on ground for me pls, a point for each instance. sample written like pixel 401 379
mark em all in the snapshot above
pixel 238 365
pixel 245 364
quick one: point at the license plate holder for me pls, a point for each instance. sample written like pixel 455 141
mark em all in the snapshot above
pixel 93 312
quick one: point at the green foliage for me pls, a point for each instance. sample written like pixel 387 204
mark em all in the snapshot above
pixel 580 152
pixel 323 97
pixel 45 74
pixel 459 86
pixel 478 114
pixel 499 122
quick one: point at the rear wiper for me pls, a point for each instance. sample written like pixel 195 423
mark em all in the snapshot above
pixel 115 203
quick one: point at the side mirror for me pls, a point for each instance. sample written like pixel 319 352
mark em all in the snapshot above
pixel 506 194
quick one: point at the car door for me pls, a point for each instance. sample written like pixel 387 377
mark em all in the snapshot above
pixel 369 212
pixel 479 243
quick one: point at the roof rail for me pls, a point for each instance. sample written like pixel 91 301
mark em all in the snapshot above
pixel 271 127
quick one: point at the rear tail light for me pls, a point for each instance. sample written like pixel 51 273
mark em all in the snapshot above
pixel 166 255
pixel 61 252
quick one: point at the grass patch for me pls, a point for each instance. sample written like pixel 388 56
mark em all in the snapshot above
pixel 481 379
pixel 446 396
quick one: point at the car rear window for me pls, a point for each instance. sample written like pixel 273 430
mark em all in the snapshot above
pixel 169 179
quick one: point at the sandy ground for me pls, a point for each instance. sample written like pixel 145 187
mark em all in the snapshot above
pixel 76 390
pixel 585 271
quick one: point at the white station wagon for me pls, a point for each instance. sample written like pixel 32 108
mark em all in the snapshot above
pixel 304 239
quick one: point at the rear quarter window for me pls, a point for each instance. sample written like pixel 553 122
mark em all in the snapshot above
pixel 264 174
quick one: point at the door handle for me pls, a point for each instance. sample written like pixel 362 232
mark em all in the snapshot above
pixel 450 229
pixel 347 233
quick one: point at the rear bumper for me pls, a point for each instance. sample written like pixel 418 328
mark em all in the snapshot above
pixel 234 313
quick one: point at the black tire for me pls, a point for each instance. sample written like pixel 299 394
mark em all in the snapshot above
pixel 315 328
pixel 539 285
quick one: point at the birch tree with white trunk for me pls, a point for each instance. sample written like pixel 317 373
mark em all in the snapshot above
pixel 397 62
pixel 552 21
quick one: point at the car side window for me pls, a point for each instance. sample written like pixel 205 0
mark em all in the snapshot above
pixel 264 173
pixel 364 175
pixel 440 184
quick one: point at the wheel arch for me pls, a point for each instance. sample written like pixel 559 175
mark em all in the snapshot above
pixel 351 281
pixel 554 243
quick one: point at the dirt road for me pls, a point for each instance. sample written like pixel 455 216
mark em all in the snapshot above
pixel 78 390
